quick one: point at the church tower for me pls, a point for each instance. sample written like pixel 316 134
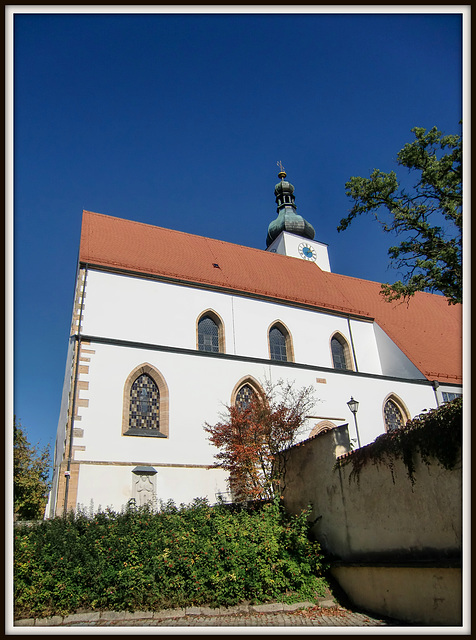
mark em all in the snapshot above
pixel 290 234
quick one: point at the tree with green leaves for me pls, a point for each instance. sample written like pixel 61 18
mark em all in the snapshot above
pixel 428 216
pixel 30 476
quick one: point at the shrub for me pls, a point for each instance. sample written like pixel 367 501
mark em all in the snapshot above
pixel 435 435
pixel 192 555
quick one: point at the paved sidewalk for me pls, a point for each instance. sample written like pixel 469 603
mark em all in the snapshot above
pixel 302 614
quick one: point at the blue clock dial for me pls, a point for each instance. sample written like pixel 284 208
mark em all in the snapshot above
pixel 307 252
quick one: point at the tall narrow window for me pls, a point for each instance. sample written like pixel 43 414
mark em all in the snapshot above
pixel 210 335
pixel 340 353
pixel 394 415
pixel 146 403
pixel 277 344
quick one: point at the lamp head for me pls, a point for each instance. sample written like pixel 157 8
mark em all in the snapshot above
pixel 353 405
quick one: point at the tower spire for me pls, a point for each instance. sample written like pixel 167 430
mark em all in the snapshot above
pixel 288 219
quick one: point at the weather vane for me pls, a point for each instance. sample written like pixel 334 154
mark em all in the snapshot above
pixel 282 173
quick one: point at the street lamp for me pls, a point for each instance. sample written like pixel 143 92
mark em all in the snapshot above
pixel 353 406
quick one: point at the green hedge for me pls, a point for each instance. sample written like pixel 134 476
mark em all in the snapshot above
pixel 141 560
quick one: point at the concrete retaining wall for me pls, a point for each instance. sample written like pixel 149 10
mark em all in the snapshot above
pixel 398 546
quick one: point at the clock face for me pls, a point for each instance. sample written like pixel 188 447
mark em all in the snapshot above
pixel 307 252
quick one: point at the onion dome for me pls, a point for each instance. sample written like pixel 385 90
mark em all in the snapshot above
pixel 288 219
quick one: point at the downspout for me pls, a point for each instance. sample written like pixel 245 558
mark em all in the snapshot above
pixel 435 384
pixel 352 343
pixel 75 387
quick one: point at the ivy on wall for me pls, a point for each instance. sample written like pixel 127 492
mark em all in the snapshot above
pixel 435 434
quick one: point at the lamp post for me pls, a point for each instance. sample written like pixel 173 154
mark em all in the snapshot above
pixel 353 406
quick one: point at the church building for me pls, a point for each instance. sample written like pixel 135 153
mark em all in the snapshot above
pixel 169 327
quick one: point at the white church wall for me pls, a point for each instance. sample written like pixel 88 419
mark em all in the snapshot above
pixel 168 316
pixel 365 346
pixel 199 386
pixel 394 362
pixel 311 333
pixel 149 311
pixel 102 486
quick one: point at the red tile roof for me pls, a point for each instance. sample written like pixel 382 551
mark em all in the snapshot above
pixel 427 330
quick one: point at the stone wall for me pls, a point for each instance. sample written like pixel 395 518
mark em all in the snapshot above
pixel 379 520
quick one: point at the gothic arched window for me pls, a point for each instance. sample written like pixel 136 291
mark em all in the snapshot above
pixel 280 346
pixel 394 414
pixel 210 333
pixel 340 352
pixel 245 390
pixel 146 399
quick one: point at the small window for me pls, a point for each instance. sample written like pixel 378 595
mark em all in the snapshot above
pixel 394 415
pixel 277 345
pixel 448 397
pixel 340 353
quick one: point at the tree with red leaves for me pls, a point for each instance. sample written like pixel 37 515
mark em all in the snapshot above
pixel 253 439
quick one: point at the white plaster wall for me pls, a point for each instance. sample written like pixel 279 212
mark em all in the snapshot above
pixel 311 332
pixel 199 387
pixel 288 244
pixel 201 384
pixel 112 486
pixel 148 311
pixel 394 362
pixel 160 313
pixel 365 347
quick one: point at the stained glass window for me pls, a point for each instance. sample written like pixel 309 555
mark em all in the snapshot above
pixel 277 344
pixel 338 354
pixel 145 404
pixel 393 416
pixel 208 335
pixel 244 396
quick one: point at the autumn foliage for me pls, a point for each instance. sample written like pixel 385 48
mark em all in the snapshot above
pixel 253 439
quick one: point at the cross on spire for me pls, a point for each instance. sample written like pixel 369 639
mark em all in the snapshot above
pixel 282 172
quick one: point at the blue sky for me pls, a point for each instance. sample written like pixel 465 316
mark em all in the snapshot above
pixel 179 120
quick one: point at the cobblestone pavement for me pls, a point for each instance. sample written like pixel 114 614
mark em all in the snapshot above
pixel 304 614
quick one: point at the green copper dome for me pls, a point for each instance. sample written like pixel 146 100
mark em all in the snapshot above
pixel 288 219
